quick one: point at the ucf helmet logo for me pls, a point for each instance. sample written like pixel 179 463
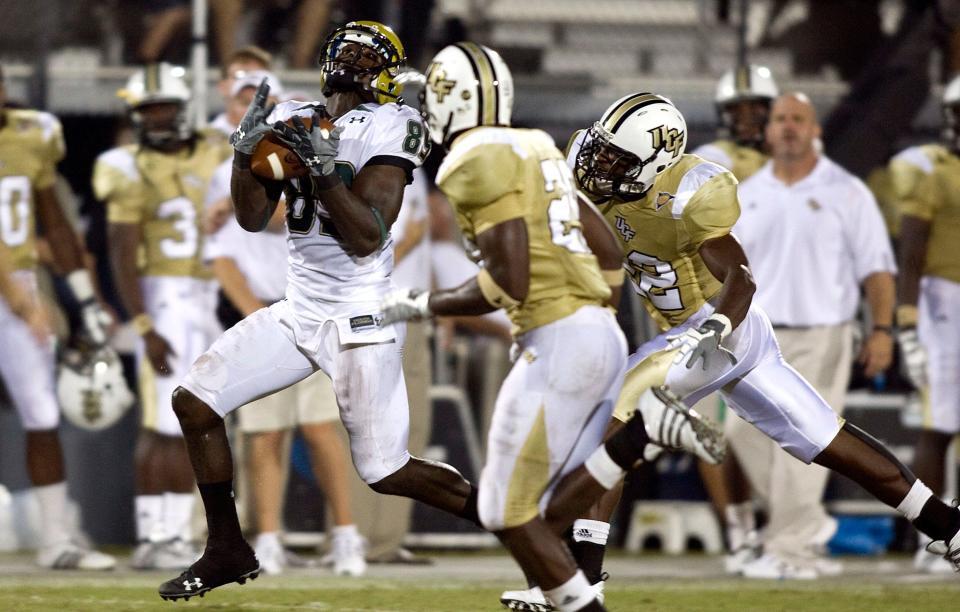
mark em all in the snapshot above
pixel 667 139
pixel 438 82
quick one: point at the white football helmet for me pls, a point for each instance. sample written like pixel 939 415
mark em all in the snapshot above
pixel 468 85
pixel 749 82
pixel 748 86
pixel 637 138
pixel 91 389
pixel 951 114
pixel 158 84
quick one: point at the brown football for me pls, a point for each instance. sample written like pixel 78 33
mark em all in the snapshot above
pixel 273 160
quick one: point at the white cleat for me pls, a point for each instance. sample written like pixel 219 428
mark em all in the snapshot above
pixel 734 561
pixel 533 600
pixel 927 563
pixel 71 556
pixel 673 426
pixel 772 567
pixel 165 555
pixel 271 556
pixel 530 600
pixel 349 554
pixel 950 551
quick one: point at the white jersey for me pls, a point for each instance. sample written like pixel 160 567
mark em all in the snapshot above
pixel 320 268
pixel 811 244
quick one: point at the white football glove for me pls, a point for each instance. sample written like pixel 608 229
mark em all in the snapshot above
pixel 95 319
pixel 914 357
pixel 405 305
pixel 702 342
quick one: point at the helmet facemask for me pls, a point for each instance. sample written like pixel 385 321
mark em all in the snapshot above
pixel 161 129
pixel 744 121
pixel 605 170
pixel 360 59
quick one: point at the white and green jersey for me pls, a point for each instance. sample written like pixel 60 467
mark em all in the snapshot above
pixel 320 268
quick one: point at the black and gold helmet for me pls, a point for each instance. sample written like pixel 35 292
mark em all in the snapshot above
pixel 338 75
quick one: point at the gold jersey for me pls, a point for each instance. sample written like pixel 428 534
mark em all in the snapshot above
pixel 744 162
pixel 31 144
pixel 493 175
pixel 926 181
pixel 164 194
pixel 661 233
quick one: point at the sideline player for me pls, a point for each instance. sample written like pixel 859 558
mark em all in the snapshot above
pixel 925 184
pixel 515 200
pixel 154 190
pixel 743 99
pixel 341 255
pixel 673 213
pixel 31 144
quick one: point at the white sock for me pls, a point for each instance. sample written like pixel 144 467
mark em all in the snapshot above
pixel 149 515
pixel 740 522
pixel 572 594
pixel 913 503
pixel 177 512
pixel 268 537
pixel 341 531
pixel 53 511
pixel 595 532
pixel 603 469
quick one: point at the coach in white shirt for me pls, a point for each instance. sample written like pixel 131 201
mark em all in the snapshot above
pixel 814 236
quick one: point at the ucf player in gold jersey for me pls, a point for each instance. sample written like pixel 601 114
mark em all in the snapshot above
pixel 743 99
pixel 673 213
pixel 154 191
pixel 926 182
pixel 31 144
pixel 515 200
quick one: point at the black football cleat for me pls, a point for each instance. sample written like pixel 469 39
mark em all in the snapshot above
pixel 215 568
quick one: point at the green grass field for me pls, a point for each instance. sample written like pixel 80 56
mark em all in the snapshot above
pixel 647 583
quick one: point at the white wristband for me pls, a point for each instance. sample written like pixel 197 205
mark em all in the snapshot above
pixel 81 285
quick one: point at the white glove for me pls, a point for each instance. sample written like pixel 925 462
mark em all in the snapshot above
pixel 405 305
pixel 914 357
pixel 702 342
pixel 95 319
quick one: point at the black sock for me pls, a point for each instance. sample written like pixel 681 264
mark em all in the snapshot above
pixel 470 511
pixel 589 556
pixel 627 445
pixel 938 520
pixel 222 522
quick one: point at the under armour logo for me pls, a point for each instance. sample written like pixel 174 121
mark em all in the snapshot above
pixel 358 119
pixel 625 230
pixel 188 584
